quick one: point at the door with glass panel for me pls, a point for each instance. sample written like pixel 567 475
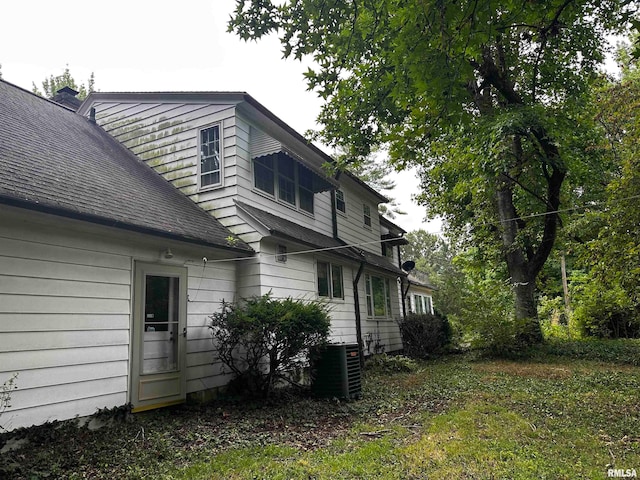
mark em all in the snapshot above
pixel 159 336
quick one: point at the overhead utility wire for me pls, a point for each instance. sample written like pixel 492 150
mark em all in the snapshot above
pixel 339 247
pixel 533 215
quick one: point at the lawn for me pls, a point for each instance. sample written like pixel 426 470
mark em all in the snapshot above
pixel 569 411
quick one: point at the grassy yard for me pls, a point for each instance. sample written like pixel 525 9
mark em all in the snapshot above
pixel 571 411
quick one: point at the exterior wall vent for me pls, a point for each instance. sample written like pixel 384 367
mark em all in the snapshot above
pixel 336 371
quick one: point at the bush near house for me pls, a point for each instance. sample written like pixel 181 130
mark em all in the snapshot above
pixel 261 340
pixel 424 335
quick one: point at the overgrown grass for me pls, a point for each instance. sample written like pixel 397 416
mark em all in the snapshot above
pixel 571 412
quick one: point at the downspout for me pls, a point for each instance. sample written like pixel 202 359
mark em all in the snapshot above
pixel 334 215
pixel 334 211
pixel 403 294
pixel 356 301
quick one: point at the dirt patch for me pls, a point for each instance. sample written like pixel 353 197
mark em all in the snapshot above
pixel 529 370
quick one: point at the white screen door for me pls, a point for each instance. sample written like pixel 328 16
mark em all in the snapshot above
pixel 159 343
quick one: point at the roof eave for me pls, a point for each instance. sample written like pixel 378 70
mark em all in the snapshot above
pixel 98 220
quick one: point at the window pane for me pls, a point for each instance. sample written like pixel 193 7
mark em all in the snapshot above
pixel 323 279
pixel 286 190
pixel 336 281
pixel 210 179
pixel 263 173
pixel 377 285
pixel 306 200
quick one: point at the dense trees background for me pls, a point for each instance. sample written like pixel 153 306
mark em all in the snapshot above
pixel 54 83
pixel 495 102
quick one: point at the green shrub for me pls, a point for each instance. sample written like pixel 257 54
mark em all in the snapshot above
pixel 424 335
pixel 391 363
pixel 606 312
pixel 261 340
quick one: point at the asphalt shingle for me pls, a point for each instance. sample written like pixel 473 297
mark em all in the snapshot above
pixel 56 161
pixel 284 228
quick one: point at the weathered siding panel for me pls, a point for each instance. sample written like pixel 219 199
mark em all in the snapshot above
pixel 351 227
pixel 65 314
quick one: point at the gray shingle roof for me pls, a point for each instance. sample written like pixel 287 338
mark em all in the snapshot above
pixel 283 228
pixel 56 161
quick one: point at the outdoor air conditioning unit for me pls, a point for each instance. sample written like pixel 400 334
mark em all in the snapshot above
pixel 336 371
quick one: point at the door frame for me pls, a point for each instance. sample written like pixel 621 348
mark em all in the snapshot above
pixel 176 380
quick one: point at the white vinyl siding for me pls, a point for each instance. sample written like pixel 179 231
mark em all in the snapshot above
pixel 165 136
pixel 65 315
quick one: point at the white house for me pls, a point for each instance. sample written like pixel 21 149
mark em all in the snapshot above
pixel 109 269
pixel 315 236
pixel 104 294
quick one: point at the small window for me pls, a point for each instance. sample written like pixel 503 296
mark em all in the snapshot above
pixel 330 283
pixel 340 203
pixel 387 250
pixel 281 254
pixel 422 304
pixel 366 209
pixel 210 170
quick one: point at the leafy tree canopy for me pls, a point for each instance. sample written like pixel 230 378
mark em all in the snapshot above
pixel 490 98
pixel 54 83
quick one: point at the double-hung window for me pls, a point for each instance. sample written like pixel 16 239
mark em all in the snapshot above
pixel 210 157
pixel 378 296
pixel 422 304
pixel 366 214
pixel 282 176
pixel 341 205
pixel 330 282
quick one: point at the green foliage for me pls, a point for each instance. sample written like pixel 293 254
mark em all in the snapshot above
pixel 5 393
pixel 260 339
pixel 384 363
pixel 623 351
pixel 572 412
pixel 606 313
pixel 424 335
pixel 51 85
pixel 490 100
pixel 607 298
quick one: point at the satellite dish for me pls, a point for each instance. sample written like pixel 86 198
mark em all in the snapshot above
pixel 408 265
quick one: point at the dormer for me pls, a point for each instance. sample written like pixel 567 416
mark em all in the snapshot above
pixel 285 176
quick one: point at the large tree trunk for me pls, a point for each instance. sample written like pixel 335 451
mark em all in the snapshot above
pixel 522 279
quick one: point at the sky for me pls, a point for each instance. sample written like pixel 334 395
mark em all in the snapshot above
pixel 144 45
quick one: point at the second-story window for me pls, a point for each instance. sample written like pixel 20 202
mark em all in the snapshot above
pixel 210 157
pixel 282 175
pixel 366 210
pixel 341 205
